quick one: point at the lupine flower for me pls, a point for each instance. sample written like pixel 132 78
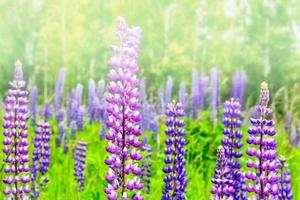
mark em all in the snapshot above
pixel 285 180
pixel 195 96
pixel 15 142
pixel 80 118
pixel 263 179
pixel 175 179
pixel 232 144
pixel 160 101
pixel 73 127
pixel 100 89
pixel 34 104
pixel 79 165
pixel 146 166
pixel 66 143
pixel 124 117
pixel 78 93
pixel 41 157
pixel 46 112
pixel 59 90
pixel 183 96
pixel 223 187
pixel 143 93
pixel 239 86
pixel 169 89
pixel 91 100
pixel 288 121
pixel 214 91
pixel 203 82
pixel 102 131
pixel 294 135
pixel 62 132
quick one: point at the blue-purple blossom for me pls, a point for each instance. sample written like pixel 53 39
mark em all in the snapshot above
pixel 183 96
pixel 169 90
pixel 79 164
pixel 143 93
pixel 285 187
pixel 176 176
pixel 203 82
pixel 100 89
pixel 16 169
pixel 41 157
pixel 263 167
pixel 46 112
pixel 288 121
pixel 146 166
pixel 239 86
pixel 223 186
pixel 232 144
pixel 195 95
pixel 60 136
pixel 34 104
pixel 80 118
pixel 294 135
pixel 124 117
pixel 214 91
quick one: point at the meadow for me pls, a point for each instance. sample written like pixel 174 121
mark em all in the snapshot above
pixel 78 59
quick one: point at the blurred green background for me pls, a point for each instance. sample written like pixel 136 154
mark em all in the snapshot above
pixel 260 36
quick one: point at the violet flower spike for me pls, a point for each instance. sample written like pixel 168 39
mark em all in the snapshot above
pixel 239 86
pixel 223 186
pixel 263 179
pixel 124 117
pixel 203 82
pixel 195 95
pixel 214 91
pixel 285 180
pixel 183 96
pixel 16 169
pixel 160 101
pixel 91 101
pixel 41 157
pixel 176 176
pixel 59 90
pixel 79 164
pixel 232 144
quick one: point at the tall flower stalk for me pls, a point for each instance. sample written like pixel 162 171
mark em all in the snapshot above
pixel 232 145
pixel 146 166
pixel 223 186
pixel 175 179
pixel 263 179
pixel 79 164
pixel 15 142
pixel 285 180
pixel 41 157
pixel 124 117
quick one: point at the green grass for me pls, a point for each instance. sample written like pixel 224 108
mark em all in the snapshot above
pixel 202 138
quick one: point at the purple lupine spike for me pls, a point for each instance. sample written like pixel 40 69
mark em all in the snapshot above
pixel 72 106
pixel 41 157
pixel 73 127
pixel 252 113
pixel 195 96
pixel 34 104
pixel 285 187
pixel 203 82
pixel 102 131
pixel 16 169
pixel 79 164
pixel 183 96
pixel 143 93
pixel 232 143
pixel 239 86
pixel 100 89
pixel 146 166
pixel 160 101
pixel 123 117
pixel 223 187
pixel 66 143
pixel 214 91
pixel 80 118
pixel 175 179
pixel 263 179
pixel 62 131
pixel 91 100
pixel 288 121
pixel 294 135
pixel 78 93
pixel 46 112
pixel 169 90
pixel 59 90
